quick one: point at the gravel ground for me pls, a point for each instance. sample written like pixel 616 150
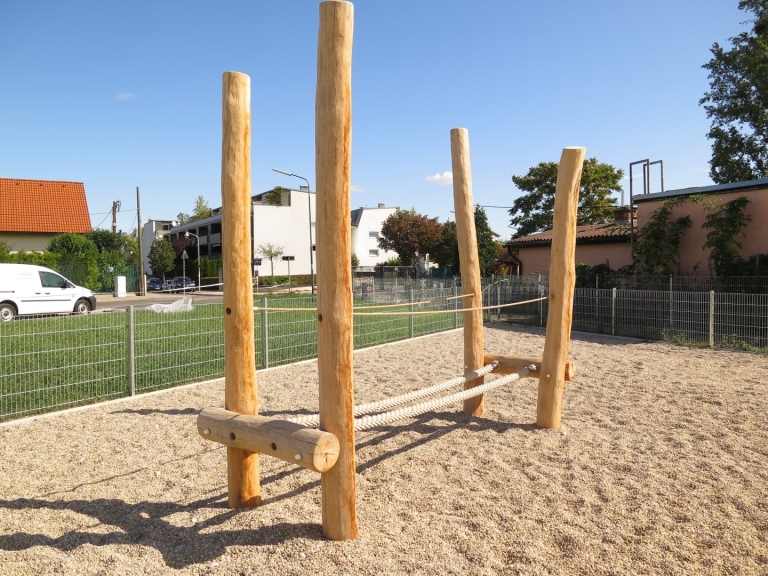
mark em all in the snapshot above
pixel 660 469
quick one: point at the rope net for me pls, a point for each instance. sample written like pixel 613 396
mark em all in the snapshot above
pixel 368 422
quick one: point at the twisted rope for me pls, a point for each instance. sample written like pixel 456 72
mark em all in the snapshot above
pixel 407 313
pixel 367 422
pixel 378 406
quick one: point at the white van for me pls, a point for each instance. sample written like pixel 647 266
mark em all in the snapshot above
pixel 27 289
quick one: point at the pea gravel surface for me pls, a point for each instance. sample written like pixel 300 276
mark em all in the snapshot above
pixel 660 468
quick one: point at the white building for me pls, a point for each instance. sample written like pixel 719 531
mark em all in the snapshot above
pixel 286 226
pixel 149 233
pixel 366 230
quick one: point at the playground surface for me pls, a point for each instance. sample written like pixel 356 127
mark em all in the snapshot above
pixel 660 469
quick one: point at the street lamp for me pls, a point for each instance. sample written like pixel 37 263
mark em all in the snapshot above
pixel 187 234
pixel 309 209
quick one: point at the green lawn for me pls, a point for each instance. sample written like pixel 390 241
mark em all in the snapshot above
pixel 56 362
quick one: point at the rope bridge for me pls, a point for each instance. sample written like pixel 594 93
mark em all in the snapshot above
pixel 367 422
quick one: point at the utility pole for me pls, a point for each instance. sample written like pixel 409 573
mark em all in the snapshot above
pixel 142 279
pixel 115 210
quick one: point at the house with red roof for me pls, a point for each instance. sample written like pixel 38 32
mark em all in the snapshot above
pixel 595 244
pixel 34 211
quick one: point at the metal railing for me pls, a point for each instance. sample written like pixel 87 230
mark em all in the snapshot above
pixel 49 363
pixel 54 362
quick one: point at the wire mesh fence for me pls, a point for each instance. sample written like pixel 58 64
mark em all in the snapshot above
pixel 49 363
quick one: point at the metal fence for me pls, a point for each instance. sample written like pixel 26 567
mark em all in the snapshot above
pixel 49 363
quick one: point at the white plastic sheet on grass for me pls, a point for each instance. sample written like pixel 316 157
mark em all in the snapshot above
pixel 183 305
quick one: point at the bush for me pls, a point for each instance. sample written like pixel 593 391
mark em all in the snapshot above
pixel 297 280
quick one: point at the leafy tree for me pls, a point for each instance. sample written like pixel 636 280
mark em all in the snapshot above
pixel 486 242
pixel 201 209
pixel 183 218
pixel 534 211
pixel 179 245
pixel 737 102
pixel 725 224
pixel 107 241
pixel 446 252
pixel 275 196
pixel 355 260
pixel 659 240
pixel 271 252
pixel 162 257
pixel 409 234
pixel 81 254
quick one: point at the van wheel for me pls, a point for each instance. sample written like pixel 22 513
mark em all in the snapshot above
pixel 82 307
pixel 7 312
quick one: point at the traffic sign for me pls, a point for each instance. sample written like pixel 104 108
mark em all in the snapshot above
pixel 184 255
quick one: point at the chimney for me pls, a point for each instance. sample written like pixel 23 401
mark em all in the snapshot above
pixel 621 214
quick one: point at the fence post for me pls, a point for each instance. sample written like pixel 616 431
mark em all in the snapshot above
pixel 670 304
pixel 410 318
pixel 613 312
pixel 498 302
pixel 712 318
pixel 455 306
pixel 265 333
pixel 131 353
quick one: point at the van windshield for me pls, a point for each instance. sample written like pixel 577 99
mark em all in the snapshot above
pixel 51 280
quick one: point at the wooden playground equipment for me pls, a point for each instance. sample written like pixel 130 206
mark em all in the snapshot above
pixel 330 450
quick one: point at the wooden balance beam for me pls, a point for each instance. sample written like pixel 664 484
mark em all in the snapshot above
pixel 313 449
pixel 511 364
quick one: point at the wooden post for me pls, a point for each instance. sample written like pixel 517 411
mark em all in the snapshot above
pixel 239 352
pixel 469 262
pixel 562 277
pixel 333 118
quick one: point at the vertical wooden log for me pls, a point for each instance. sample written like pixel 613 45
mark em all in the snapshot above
pixel 562 277
pixel 239 352
pixel 333 118
pixel 469 262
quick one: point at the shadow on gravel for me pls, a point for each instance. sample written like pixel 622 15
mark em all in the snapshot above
pixel 169 412
pixel 146 523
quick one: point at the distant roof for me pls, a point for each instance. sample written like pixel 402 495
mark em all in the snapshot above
pixel 584 235
pixel 43 206
pixel 357 213
pixel 714 189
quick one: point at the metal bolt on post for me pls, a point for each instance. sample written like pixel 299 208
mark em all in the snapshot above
pixel 131 353
pixel 411 316
pixel 265 333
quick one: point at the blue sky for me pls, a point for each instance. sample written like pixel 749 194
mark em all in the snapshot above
pixel 119 95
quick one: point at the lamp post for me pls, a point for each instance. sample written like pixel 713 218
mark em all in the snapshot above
pixel 309 210
pixel 187 235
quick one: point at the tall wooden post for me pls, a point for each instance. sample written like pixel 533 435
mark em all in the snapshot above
pixel 562 277
pixel 240 356
pixel 469 262
pixel 333 118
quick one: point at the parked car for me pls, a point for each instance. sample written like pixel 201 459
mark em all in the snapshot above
pixel 183 283
pixel 26 289
pixel 154 284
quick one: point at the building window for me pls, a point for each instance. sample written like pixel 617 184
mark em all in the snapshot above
pixel 203 231
pixel 165 227
pixel 373 234
pixel 203 250
pixel 312 225
pixel 215 249
pixel 373 252
pixel 216 228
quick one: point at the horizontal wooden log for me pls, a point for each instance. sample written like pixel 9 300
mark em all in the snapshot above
pixel 510 364
pixel 313 449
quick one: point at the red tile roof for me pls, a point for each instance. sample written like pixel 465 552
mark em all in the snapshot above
pixel 43 206
pixel 617 230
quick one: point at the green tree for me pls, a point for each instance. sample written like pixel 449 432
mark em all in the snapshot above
pixel 446 251
pixel 80 255
pixel 409 234
pixel 533 212
pixel 162 257
pixel 201 210
pixel 725 224
pixel 737 102
pixel 275 196
pixel 107 241
pixel 183 218
pixel 355 260
pixel 658 242
pixel 270 252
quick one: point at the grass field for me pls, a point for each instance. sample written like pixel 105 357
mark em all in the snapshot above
pixel 61 361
